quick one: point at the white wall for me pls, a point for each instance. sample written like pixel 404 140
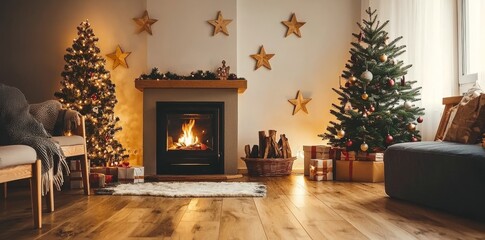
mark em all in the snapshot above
pixel 311 64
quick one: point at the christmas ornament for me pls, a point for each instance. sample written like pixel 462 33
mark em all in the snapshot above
pixel 389 139
pixel 352 79
pixel 347 84
pixel 365 96
pixel 392 61
pixel 145 23
pixel 96 110
pixel 300 103
pixel 395 92
pixel 372 108
pixel 420 119
pixel 293 26
pixel 414 139
pixel 223 71
pixel 366 76
pixel 408 105
pixel 262 59
pixel 119 57
pixel 347 107
pixel 220 24
pixel 403 81
pixel 383 58
pixel 390 82
pixel 364 147
pixel 94 97
pixel 349 143
pixel 340 133
pixel 411 126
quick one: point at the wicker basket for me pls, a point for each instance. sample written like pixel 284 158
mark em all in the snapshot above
pixel 269 166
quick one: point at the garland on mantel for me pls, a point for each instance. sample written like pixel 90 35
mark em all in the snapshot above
pixel 195 75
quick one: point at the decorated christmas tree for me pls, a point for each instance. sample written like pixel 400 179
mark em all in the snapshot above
pixel 377 102
pixel 87 88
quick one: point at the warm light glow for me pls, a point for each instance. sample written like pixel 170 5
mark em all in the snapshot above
pixel 188 138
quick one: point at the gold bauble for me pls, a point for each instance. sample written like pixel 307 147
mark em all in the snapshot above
pixel 352 79
pixel 340 133
pixel 364 146
pixel 411 126
pixel 365 96
pixel 383 58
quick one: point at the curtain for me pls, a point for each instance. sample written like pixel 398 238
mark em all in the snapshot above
pixel 429 30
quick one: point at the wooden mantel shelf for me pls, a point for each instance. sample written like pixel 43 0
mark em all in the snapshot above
pixel 240 85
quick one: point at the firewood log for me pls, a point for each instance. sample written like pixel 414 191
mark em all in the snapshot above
pixel 247 151
pixel 262 142
pixel 254 151
pixel 274 144
pixel 267 148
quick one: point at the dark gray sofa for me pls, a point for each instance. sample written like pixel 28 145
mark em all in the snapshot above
pixel 442 175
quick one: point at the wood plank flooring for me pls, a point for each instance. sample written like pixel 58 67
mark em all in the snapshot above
pixel 294 208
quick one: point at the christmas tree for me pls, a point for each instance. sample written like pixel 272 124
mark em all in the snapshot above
pixel 87 88
pixel 376 103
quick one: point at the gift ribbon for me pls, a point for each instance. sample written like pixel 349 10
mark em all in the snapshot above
pixel 314 151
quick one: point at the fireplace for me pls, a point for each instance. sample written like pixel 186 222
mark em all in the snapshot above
pixel 190 137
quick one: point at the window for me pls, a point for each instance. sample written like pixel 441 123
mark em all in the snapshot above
pixel 471 28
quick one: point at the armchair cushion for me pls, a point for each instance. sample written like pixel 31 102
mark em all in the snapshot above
pixel 69 140
pixel 46 113
pixel 12 155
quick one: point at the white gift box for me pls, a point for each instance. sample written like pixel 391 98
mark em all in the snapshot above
pixel 133 174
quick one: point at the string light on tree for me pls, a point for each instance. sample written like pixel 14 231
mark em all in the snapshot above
pixel 87 88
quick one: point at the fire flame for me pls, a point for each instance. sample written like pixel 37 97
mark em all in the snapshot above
pixel 188 138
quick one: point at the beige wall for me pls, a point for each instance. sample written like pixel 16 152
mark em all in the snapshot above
pixel 35 34
pixel 34 39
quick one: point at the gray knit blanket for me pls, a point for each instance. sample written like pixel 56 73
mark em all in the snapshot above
pixel 18 126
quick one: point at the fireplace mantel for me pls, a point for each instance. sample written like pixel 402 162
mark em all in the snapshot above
pixel 240 85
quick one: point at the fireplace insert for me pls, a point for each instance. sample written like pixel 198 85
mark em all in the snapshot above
pixel 190 138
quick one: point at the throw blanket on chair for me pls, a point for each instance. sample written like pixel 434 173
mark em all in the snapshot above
pixel 18 126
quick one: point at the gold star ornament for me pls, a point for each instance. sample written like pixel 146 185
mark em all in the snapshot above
pixel 293 26
pixel 145 23
pixel 300 103
pixel 119 57
pixel 262 59
pixel 220 24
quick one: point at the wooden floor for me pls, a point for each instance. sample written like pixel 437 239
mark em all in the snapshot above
pixel 294 208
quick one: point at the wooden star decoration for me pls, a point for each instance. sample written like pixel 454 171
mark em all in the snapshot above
pixel 299 102
pixel 145 23
pixel 220 24
pixel 262 59
pixel 293 26
pixel 119 57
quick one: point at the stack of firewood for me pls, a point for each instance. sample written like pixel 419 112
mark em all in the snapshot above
pixel 268 147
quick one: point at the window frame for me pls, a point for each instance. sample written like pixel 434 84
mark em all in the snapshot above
pixel 463 48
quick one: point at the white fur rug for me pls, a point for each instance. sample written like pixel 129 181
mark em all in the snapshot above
pixel 189 189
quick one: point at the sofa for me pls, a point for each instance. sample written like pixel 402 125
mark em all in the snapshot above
pixel 448 176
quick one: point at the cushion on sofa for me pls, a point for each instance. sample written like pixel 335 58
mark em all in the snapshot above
pixel 469 123
pixel 11 155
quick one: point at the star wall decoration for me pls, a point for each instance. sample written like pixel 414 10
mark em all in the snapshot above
pixel 293 26
pixel 300 103
pixel 119 57
pixel 220 24
pixel 262 59
pixel 145 23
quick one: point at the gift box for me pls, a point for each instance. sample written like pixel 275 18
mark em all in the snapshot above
pixel 347 155
pixel 360 171
pixel 75 165
pixel 365 156
pixel 314 152
pixel 76 180
pixel 108 178
pixel 133 174
pixel 97 180
pixel 106 171
pixel 321 169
